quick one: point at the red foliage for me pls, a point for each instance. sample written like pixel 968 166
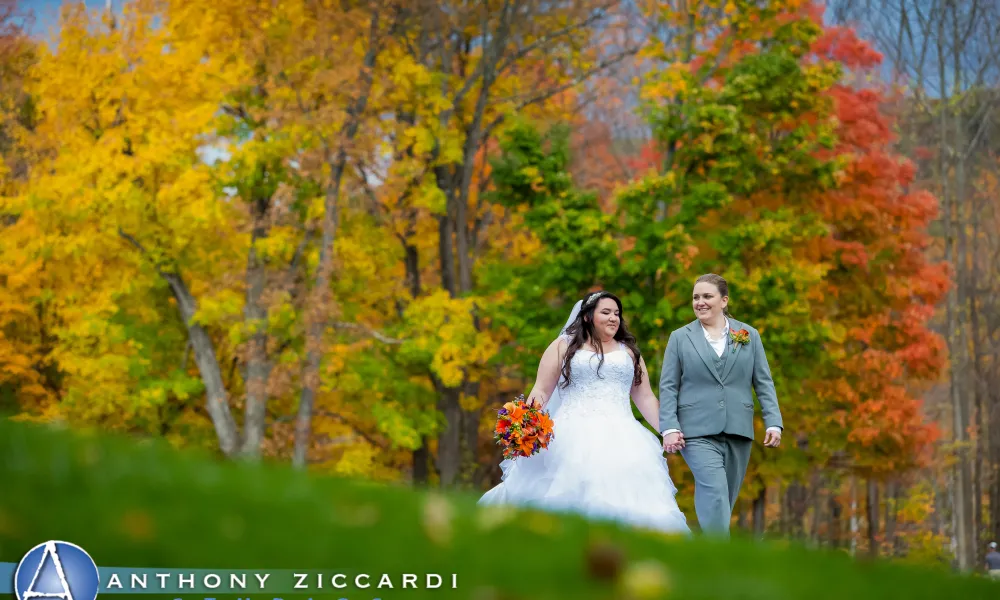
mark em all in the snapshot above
pixel 885 288
pixel 842 44
pixel 596 164
pixel 649 158
pixel 882 289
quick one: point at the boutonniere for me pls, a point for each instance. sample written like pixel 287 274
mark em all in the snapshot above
pixel 741 337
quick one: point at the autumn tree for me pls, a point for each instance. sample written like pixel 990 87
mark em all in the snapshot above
pixel 26 373
pixel 168 205
pixel 763 172
pixel 741 119
pixel 942 56
pixel 570 237
pixel 471 68
pixel 115 357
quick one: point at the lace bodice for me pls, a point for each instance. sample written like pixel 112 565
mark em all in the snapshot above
pixel 604 394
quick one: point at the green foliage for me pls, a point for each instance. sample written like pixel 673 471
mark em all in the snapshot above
pixel 532 176
pixel 146 506
pixel 742 162
pixel 577 249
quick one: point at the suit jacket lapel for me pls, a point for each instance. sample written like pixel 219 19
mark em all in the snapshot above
pixel 697 337
pixel 734 326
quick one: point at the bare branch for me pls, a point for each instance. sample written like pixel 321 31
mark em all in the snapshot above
pixel 368 331
pixel 545 95
pixel 544 40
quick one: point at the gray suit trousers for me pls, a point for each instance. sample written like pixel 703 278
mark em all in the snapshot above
pixel 719 464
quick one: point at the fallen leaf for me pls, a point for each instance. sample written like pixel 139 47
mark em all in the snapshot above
pixel 437 519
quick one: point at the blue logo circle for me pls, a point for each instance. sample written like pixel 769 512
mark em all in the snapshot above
pixel 56 570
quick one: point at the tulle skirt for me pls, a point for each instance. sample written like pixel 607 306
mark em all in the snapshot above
pixel 606 467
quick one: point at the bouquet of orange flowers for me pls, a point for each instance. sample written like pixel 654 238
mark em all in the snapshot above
pixel 523 428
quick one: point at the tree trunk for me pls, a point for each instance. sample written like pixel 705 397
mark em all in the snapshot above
pixel 473 141
pixel 455 252
pixel 319 304
pixel 795 505
pixel 421 456
pixel 760 513
pixel 994 451
pixel 208 366
pixel 956 252
pixel 449 449
pixel 891 516
pixel 216 396
pixel 447 257
pixel 872 505
pixel 962 505
pixel 854 515
pixel 471 418
pixel 817 490
pixel 982 473
pixel 836 524
pixel 421 463
pixel 255 318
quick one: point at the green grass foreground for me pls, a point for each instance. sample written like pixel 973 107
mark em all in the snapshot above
pixel 132 504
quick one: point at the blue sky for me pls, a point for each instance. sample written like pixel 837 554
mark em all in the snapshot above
pixel 47 12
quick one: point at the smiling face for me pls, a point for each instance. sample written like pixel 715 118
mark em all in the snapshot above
pixel 707 302
pixel 606 318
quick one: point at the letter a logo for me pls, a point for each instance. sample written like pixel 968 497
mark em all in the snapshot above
pixel 58 571
pixel 53 555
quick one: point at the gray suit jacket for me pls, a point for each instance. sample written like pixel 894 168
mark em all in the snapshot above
pixel 697 400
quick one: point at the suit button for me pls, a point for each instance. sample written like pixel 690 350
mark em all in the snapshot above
pixel 720 386
pixel 722 403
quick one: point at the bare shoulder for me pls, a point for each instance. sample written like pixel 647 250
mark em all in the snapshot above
pixel 631 353
pixel 559 345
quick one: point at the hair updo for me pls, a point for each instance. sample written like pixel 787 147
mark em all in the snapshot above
pixel 720 284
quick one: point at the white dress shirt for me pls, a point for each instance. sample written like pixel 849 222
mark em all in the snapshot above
pixel 719 345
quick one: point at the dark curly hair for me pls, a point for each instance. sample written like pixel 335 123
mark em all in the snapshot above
pixel 582 330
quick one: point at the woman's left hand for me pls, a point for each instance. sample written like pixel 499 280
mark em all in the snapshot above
pixel 772 438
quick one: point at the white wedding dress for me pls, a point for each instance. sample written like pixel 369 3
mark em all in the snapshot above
pixel 602 462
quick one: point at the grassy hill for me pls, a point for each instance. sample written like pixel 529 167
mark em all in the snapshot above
pixel 135 504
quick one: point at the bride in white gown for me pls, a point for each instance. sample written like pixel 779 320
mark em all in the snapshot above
pixel 601 462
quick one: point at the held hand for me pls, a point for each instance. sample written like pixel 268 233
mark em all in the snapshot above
pixel 772 438
pixel 673 442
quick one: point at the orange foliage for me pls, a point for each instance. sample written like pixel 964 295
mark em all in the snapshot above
pixel 883 288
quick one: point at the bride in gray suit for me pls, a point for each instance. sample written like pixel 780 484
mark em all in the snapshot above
pixel 711 368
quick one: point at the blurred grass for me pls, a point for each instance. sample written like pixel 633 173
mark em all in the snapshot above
pixel 141 504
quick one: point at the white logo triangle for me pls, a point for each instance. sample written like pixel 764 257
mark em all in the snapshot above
pixel 53 553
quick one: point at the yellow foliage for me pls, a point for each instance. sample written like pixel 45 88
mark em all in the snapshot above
pixel 356 461
pixel 144 157
pixel 443 326
pixel 117 148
